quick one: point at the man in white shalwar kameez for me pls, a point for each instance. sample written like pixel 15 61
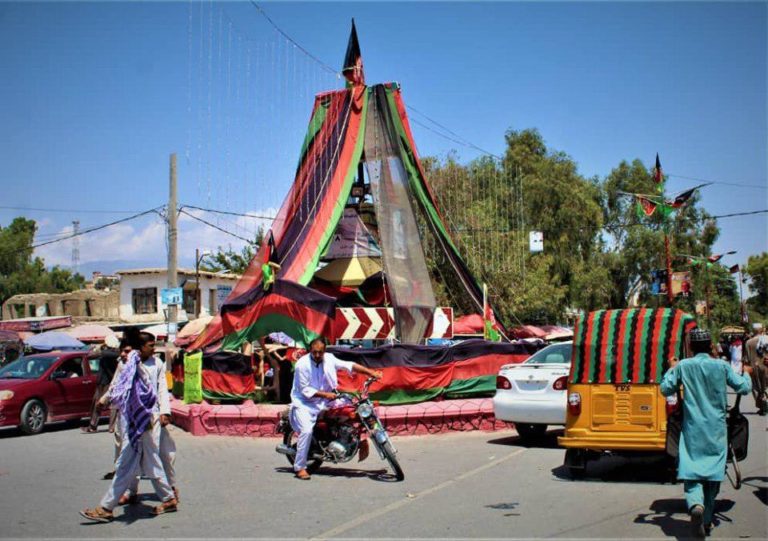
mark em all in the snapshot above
pixel 144 410
pixel 314 388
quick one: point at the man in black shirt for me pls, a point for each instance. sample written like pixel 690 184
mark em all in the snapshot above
pixel 107 367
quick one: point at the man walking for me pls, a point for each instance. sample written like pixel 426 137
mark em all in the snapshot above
pixel 314 387
pixel 141 394
pixel 757 353
pixel 704 438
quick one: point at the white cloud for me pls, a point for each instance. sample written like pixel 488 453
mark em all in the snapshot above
pixel 145 238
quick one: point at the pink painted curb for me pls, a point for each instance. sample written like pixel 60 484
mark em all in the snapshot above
pixel 260 420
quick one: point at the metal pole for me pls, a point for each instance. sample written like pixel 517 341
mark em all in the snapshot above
pixel 197 283
pixel 706 290
pixel 741 298
pixel 173 279
pixel 670 296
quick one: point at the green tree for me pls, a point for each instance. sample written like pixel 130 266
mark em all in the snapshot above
pixel 231 261
pixel 757 270
pixel 21 273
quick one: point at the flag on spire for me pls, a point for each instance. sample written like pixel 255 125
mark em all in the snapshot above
pixel 646 206
pixel 353 61
pixel 658 174
pixel 714 258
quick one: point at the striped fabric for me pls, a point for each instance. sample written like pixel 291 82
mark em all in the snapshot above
pixel 627 346
pixel 135 398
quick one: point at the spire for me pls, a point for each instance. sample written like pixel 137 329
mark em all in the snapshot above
pixel 353 61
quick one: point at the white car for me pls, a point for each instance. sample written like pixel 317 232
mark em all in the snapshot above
pixel 532 394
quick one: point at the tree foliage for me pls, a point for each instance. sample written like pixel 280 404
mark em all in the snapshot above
pixel 757 270
pixel 598 252
pixel 227 259
pixel 21 273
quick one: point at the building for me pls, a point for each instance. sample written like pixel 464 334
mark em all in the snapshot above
pixel 141 300
pixel 85 305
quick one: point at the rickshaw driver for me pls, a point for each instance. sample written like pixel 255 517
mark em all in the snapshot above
pixel 703 439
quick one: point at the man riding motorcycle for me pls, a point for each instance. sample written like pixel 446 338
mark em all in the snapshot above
pixel 314 387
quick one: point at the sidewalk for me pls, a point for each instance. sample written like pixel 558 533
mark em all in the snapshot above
pixel 260 420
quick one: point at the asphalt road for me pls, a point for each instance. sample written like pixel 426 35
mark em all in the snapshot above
pixel 470 485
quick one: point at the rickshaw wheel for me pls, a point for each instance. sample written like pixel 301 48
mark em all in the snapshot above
pixel 576 462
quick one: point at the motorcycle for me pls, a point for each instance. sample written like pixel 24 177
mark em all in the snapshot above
pixel 341 433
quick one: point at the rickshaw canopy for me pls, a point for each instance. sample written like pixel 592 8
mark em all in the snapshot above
pixel 627 346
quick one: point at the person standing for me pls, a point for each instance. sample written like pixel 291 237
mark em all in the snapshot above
pixel 141 394
pixel 107 367
pixel 703 439
pixel 757 356
pixel 314 387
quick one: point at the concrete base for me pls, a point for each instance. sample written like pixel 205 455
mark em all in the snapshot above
pixel 260 420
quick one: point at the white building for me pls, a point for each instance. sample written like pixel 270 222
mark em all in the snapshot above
pixel 141 301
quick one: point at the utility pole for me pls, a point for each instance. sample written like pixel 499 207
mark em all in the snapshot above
pixel 197 283
pixel 173 279
pixel 670 295
pixel 741 298
pixel 75 246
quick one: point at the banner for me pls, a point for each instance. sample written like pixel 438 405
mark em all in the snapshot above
pixel 193 381
pixel 681 283
pixel 659 282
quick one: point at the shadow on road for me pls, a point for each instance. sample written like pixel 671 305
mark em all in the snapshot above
pixel 671 516
pixel 382 475
pixel 547 441
pixel 57 426
pixel 760 492
pixel 621 469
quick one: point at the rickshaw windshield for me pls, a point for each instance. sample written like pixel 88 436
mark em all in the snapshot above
pixel 627 346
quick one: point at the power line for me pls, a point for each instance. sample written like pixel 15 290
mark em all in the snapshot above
pixel 209 224
pixel 229 213
pixel 741 214
pixel 97 228
pixel 463 141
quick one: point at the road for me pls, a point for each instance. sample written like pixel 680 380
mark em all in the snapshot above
pixel 469 485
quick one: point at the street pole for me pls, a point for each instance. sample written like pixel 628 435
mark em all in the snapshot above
pixel 741 298
pixel 197 283
pixel 706 290
pixel 670 296
pixel 173 279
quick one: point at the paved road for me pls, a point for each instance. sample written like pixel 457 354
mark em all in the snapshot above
pixel 471 485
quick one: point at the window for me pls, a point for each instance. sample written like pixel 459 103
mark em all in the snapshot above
pixel 189 301
pixel 145 300
pixel 73 368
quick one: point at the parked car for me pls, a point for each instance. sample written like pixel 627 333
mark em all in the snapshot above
pixel 532 394
pixel 54 386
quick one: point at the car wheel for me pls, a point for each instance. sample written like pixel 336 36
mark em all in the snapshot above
pixel 33 416
pixel 530 431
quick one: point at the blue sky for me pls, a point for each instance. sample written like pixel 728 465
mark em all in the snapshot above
pixel 96 96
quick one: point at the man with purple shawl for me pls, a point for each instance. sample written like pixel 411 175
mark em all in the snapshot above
pixel 141 395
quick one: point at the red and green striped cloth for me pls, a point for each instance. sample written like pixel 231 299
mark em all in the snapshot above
pixel 627 346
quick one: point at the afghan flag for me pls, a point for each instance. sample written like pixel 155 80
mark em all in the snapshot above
pixel 647 206
pixel 353 61
pixel 300 312
pixel 271 263
pixel 734 269
pixel 715 258
pixel 683 197
pixel 658 173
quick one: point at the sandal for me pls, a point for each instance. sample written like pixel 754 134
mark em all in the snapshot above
pixel 98 514
pixel 303 475
pixel 90 429
pixel 168 506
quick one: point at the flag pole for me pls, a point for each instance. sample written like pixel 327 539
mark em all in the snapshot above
pixel 670 296
pixel 741 297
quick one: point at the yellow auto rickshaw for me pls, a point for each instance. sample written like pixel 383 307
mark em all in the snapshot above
pixel 614 401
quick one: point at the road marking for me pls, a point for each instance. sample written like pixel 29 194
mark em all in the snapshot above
pixel 334 532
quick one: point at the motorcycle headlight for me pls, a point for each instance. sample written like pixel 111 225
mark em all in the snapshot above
pixel 365 411
pixel 6 395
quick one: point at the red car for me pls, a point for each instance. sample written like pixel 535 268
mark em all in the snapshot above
pixel 55 386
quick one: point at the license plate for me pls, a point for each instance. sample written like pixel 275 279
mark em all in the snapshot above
pixel 623 387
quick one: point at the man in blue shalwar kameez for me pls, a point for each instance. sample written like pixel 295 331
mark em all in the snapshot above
pixel 704 438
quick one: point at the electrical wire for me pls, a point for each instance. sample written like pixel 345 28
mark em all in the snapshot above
pixel 741 214
pixel 764 187
pixel 229 213
pixel 78 211
pixel 98 227
pixel 209 224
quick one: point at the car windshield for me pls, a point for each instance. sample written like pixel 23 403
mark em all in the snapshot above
pixel 27 368
pixel 554 354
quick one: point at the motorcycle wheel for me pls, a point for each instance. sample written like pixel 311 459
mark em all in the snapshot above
pixel 389 454
pixel 289 438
